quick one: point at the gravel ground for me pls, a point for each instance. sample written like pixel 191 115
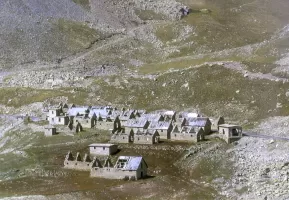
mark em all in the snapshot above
pixel 262 165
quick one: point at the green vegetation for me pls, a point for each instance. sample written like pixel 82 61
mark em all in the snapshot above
pixel 17 97
pixel 214 90
pixel 77 35
pixel 83 3
pixel 149 15
pixel 165 33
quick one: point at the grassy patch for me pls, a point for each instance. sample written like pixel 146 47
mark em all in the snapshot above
pixel 83 3
pixel 165 33
pixel 214 90
pixel 149 15
pixel 17 97
pixel 77 35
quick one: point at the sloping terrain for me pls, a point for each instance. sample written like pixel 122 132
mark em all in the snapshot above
pixel 226 58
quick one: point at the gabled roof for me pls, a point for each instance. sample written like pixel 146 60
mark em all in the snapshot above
pixel 98 112
pixel 197 121
pixel 140 112
pixel 77 111
pixel 176 129
pixel 159 125
pixel 151 117
pixel 125 115
pixel 188 129
pixel 136 123
pixel 133 162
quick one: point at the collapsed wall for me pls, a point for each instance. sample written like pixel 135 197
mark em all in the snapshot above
pixel 85 164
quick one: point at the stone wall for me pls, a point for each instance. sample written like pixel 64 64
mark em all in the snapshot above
pixel 185 137
pixel 113 173
pixel 120 139
pixel 144 139
pixel 85 164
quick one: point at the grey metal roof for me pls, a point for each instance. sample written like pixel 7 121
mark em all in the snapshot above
pixel 159 125
pixel 188 129
pixel 135 123
pixel 98 112
pixel 146 132
pixel 197 121
pixel 77 110
pixel 229 126
pixel 188 115
pixel 133 162
pixel 151 117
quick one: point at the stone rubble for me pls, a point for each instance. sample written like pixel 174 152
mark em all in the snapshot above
pixel 262 165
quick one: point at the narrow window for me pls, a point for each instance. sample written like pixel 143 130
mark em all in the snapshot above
pixel 103 148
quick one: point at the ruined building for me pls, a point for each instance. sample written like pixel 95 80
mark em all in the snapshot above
pixel 229 132
pixel 164 129
pixel 199 122
pixel 186 133
pixel 78 163
pixel 126 167
pixel 49 130
pixel 146 137
pixel 122 136
pixel 103 149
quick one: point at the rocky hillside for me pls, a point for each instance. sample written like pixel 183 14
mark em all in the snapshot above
pixel 226 57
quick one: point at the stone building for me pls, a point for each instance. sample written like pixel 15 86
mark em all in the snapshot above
pixel 200 122
pixel 66 107
pixel 126 115
pixel 146 137
pixel 164 128
pixel 216 122
pixel 49 130
pixel 136 125
pixel 59 120
pixel 230 132
pixel 186 133
pixel 54 112
pixel 85 120
pixel 103 149
pixel 78 163
pixel 122 136
pixel 56 116
pixel 126 168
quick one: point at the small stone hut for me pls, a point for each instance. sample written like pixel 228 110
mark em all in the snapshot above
pixel 230 132
pixel 49 130
pixel 102 149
